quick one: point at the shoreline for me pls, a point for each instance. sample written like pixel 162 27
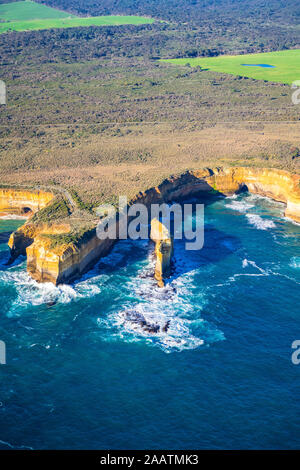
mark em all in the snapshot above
pixel 53 255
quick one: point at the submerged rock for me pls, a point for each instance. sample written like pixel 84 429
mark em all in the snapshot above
pixel 152 328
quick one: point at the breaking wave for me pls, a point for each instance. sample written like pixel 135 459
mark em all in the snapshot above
pixel 295 262
pixel 32 293
pixel 11 446
pixel 171 318
pixel 258 222
pixel 168 317
pixel 240 206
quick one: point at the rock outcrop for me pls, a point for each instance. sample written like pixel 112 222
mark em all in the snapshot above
pixel 163 250
pixel 23 202
pixel 62 262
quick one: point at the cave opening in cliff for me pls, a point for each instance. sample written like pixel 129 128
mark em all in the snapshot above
pixel 26 211
pixel 243 189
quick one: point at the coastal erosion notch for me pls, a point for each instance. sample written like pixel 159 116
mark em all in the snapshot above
pixel 68 260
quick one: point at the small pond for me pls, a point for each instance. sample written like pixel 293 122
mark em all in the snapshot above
pixel 260 65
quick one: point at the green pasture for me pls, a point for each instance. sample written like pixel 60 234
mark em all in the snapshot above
pixel 28 15
pixel 27 10
pixel 286 65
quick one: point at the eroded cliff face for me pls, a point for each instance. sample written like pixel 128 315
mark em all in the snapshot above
pixel 23 202
pixel 277 184
pixel 29 233
pixel 66 261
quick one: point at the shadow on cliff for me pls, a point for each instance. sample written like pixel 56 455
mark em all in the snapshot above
pixel 217 246
pixel 6 263
pixel 4 237
pixel 5 255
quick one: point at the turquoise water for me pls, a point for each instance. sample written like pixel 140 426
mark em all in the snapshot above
pixel 80 375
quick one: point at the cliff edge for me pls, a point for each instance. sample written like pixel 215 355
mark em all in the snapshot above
pixel 58 251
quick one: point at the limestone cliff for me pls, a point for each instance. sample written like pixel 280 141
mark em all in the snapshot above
pixel 277 184
pixel 61 262
pixel 23 202
pixel 163 250
pixel 65 262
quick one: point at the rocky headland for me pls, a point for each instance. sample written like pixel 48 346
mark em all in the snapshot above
pixel 62 245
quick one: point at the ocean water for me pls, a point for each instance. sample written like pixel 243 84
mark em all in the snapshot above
pixel 80 375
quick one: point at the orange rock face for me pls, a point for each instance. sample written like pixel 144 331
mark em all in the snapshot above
pixel 65 262
pixel 163 250
pixel 62 263
pixel 21 202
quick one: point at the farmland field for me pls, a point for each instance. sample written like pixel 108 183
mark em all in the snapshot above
pixel 278 67
pixel 27 15
pixel 27 10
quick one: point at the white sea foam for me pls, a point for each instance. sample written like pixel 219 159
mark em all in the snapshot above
pixel 174 305
pixel 258 198
pixel 259 222
pixel 13 217
pixel 240 206
pixel 177 337
pixel 31 292
pixel 233 278
pixel 247 262
pixel 291 221
pixel 295 262
pixel 11 446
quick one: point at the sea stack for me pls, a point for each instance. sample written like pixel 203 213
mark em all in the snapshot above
pixel 163 250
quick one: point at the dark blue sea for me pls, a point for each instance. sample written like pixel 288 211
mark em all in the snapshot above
pixel 79 375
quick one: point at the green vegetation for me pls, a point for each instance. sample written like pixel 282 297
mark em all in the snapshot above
pixel 75 237
pixel 200 27
pixel 28 10
pixel 57 209
pixel 286 65
pixel 92 110
pixel 105 127
pixel 71 23
pixel 84 206
pixel 27 15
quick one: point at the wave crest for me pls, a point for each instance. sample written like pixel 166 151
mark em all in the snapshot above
pixel 258 222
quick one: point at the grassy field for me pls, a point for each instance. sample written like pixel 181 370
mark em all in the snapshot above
pixel 27 15
pixel 286 65
pixel 27 10
pixel 118 126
